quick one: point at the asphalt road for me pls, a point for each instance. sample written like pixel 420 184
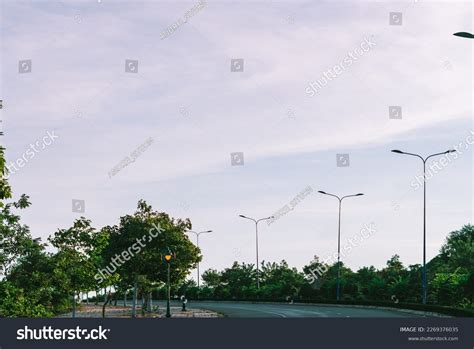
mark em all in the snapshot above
pixel 252 310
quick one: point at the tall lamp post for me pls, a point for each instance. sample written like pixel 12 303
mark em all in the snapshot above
pixel 256 241
pixel 197 241
pixel 424 288
pixel 338 287
pixel 168 258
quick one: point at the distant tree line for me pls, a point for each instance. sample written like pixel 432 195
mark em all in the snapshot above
pixel 450 279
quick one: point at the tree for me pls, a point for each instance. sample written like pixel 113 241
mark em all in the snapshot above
pixel 211 278
pixel 452 271
pixel 5 190
pixel 73 260
pixel 315 274
pixel 26 287
pixel 458 250
pixel 280 281
pixel 238 281
pixel 15 238
pixel 137 245
pixel 448 287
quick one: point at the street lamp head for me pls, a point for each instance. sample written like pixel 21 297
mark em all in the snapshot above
pixel 450 151
pixel 208 231
pixel 397 151
pixel 359 194
pixel 464 35
pixel 241 215
pixel 168 258
pixel 322 192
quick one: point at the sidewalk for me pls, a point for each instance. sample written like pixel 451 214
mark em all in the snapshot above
pixel 95 311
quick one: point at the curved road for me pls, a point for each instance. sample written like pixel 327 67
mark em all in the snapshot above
pixel 248 310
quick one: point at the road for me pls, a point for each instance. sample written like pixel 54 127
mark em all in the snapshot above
pixel 248 310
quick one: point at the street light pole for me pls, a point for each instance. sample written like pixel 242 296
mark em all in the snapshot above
pixel 338 287
pixel 168 313
pixel 197 242
pixel 256 241
pixel 423 277
pixel 168 257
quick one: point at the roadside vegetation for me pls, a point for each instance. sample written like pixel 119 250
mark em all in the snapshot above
pixel 450 280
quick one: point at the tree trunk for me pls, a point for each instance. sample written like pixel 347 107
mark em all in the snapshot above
pixel 73 305
pixel 150 305
pixel 125 298
pixel 107 301
pixel 134 301
pixel 103 308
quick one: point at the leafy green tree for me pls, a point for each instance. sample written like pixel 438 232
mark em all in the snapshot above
pixel 280 281
pixel 451 272
pixel 188 289
pixel 18 303
pixel 211 278
pixel 137 245
pixel 448 287
pixel 315 275
pixel 15 238
pixel 458 250
pixel 364 277
pixel 329 287
pixel 24 267
pixel 35 278
pixel 414 283
pixel 73 260
pixel 5 190
pixel 238 281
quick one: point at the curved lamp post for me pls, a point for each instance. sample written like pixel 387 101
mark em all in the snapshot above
pixel 338 288
pixel 424 288
pixel 256 240
pixel 197 240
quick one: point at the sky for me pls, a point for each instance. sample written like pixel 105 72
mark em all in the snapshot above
pixel 181 110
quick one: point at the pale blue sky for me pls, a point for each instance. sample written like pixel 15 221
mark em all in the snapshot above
pixel 79 89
